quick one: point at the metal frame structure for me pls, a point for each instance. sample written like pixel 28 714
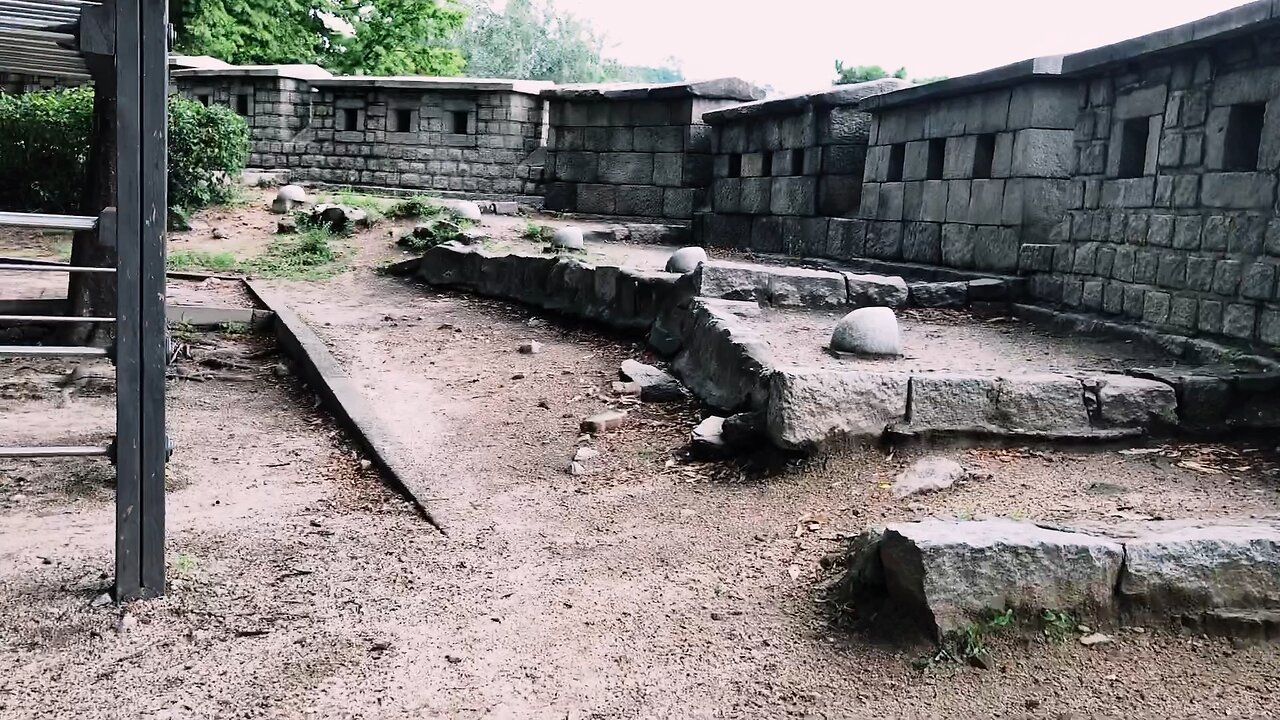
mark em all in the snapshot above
pixel 129 40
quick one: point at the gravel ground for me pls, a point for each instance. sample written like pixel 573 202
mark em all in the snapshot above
pixel 650 587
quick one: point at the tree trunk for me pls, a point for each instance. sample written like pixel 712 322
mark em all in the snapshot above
pixel 94 294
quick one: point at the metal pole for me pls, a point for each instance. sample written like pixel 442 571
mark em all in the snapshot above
pixel 54 452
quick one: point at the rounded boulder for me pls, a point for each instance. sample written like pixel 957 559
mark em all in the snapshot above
pixel 686 260
pixel 568 238
pixel 288 198
pixel 467 210
pixel 868 331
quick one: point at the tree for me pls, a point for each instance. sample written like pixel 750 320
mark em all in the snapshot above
pixel 864 73
pixel 373 37
pixel 533 40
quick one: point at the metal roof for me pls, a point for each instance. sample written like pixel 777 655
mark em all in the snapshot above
pixel 38 37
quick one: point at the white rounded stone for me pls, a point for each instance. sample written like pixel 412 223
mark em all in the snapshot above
pixel 686 260
pixel 868 331
pixel 466 210
pixel 293 193
pixel 568 238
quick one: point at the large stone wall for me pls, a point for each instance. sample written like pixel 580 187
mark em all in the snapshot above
pixel 634 151
pixel 1177 223
pixel 784 168
pixel 479 137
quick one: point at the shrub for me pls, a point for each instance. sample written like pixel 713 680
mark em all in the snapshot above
pixel 44 150
pixel 414 207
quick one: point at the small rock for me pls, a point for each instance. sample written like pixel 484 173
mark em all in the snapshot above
pixel 626 389
pixel 287 225
pixel 126 623
pixel 281 370
pixel 717 616
pixel 466 210
pixel 686 260
pixel 655 385
pixel 868 331
pixel 928 474
pixel 506 208
pixel 366 464
pixel 220 234
pixel 530 348
pixel 981 660
pixel 452 659
pixel 568 238
pixel 1096 639
pixel 707 440
pixel 102 600
pixel 744 429
pixel 601 422
pixel 586 454
pixel 576 468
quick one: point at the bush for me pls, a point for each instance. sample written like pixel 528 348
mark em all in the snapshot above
pixel 44 150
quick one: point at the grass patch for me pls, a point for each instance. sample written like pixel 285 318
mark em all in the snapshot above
pixel 374 206
pixel 418 206
pixel 202 260
pixel 309 255
pixel 537 232
pixel 235 328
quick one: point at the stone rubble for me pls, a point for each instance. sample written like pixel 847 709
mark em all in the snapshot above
pixel 929 474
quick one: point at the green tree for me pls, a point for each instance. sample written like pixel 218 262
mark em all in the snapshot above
pixel 382 37
pixel 533 40
pixel 864 73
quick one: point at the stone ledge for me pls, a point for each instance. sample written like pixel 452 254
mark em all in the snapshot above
pixel 938 577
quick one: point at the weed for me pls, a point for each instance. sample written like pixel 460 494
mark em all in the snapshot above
pixel 202 260
pixel 368 203
pixel 1057 625
pixel 970 644
pixel 235 328
pixel 432 233
pixel 184 565
pixel 309 255
pixel 537 232
pixel 418 206
pixel 236 196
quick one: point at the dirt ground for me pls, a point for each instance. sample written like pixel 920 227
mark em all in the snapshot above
pixel 652 586
pixel 952 341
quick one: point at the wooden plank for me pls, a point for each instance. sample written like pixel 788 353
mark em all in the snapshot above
pixel 128 303
pixel 155 213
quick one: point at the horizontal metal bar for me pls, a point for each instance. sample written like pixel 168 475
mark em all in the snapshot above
pixel 55 452
pixel 48 222
pixel 14 267
pixel 48 351
pixel 55 319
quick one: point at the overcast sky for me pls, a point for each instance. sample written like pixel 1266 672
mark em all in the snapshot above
pixel 792 44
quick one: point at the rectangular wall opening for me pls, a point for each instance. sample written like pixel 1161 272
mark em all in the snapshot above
pixel 937 154
pixel 402 120
pixel 984 156
pixel 461 122
pixel 766 165
pixel 797 162
pixel 735 165
pixel 242 104
pixel 1244 137
pixel 1133 147
pixel 203 99
pixel 897 158
pixel 348 119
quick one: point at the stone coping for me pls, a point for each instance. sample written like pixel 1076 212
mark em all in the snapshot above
pixel 838 96
pixel 939 576
pixel 720 89
pixel 294 72
pixel 196 62
pixel 426 83
pixel 1042 68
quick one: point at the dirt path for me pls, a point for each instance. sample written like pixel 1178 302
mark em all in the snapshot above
pixel 649 587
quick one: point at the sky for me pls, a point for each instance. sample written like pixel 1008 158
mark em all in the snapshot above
pixel 792 44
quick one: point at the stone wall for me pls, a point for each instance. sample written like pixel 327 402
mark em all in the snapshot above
pixel 634 151
pixel 480 137
pixel 962 181
pixel 1177 226
pixel 783 168
pixel 17 83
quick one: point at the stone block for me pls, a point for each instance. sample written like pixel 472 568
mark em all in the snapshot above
pixel 642 200
pixel 933 201
pixel 1172 270
pixel 1035 258
pixel 876 290
pixel 1043 106
pixel 626 168
pixel 1033 405
pixel 1179 566
pixel 793 196
pixel 597 199
pixel 766 234
pixel 957 162
pixel 576 167
pixel 659 139
pixel 1226 277
pixel 1249 237
pixel 958 197
pixel 1259 281
pixel 1238 321
pixel 812 408
pixel 922 242
pixel 1243 191
pixel 755 195
pixel 1133 403
pixel 986 202
pixel 839 195
pixel 1141 102
pixel 889 204
pixel 884 240
pixel 995 248
pixel 1043 153
pixel 939 294
pixel 844 125
pixel 916 164
pixel 846 238
pixel 1155 307
pixel 726 195
pixel 957 245
pixel 843 160
pixel 668 169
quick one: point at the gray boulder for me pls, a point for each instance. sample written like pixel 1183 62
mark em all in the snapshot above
pixel 868 331
pixel 940 294
pixel 944 575
pixel 809 408
pixel 686 260
pixel 341 217
pixel 1130 402
pixel 1179 567
pixel 288 198
pixel 928 474
pixel 568 238
pixel 466 210
pixel 876 290
pixel 655 384
pixel 744 429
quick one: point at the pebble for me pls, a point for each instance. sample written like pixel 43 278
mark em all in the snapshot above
pixel 530 348
pixel 585 454
pixel 601 422
pixel 1096 639
pixel 453 659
